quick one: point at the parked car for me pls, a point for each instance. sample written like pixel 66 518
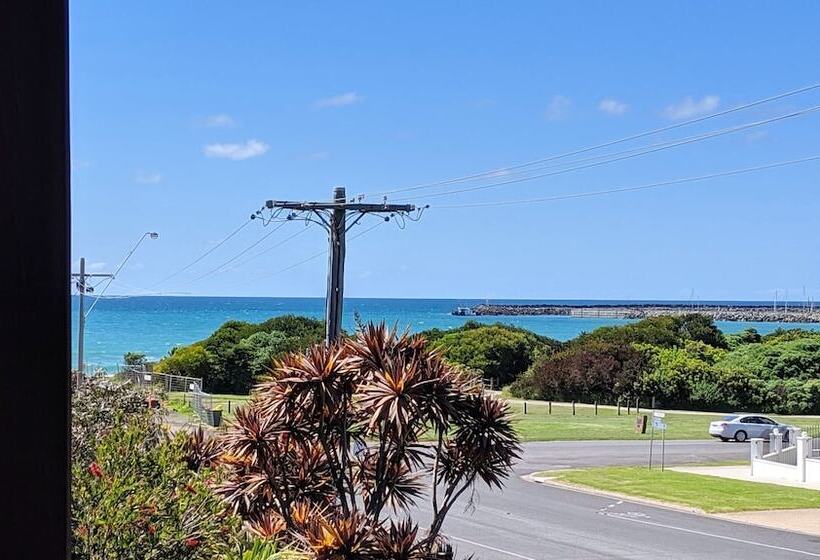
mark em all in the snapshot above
pixel 741 427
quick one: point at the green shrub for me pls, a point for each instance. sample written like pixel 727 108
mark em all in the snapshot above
pixel 230 360
pixel 596 371
pixel 499 351
pixel 137 498
pixel 189 361
pixel 96 405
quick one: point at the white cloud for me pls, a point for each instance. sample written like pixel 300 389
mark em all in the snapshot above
pixel 612 106
pixel 95 266
pixel 689 107
pixel 148 178
pixel 348 98
pixel 557 108
pixel 219 121
pixel 236 152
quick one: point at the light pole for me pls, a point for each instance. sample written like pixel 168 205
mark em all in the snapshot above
pixel 83 288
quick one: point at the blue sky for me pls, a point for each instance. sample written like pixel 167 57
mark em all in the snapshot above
pixel 187 116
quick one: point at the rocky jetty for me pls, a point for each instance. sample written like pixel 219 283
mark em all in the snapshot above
pixel 763 314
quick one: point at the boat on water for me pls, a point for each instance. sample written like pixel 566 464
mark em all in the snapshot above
pixel 463 311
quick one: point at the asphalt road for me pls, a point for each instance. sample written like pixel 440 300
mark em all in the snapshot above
pixel 530 521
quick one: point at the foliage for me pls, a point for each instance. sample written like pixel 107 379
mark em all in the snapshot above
pixel 139 499
pixel 300 469
pixel 96 405
pixel 188 361
pixel 500 352
pixel 238 352
pixel 595 371
pixel 783 357
pixel 134 358
pixel 665 331
pixel 686 363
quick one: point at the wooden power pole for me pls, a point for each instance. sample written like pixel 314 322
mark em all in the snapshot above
pixel 333 216
pixel 83 288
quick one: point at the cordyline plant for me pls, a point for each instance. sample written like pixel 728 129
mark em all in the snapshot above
pixel 328 451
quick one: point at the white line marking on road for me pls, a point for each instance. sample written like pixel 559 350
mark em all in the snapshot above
pixel 488 547
pixel 705 534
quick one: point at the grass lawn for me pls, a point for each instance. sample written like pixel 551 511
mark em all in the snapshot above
pixel 179 402
pixel 539 425
pixel 708 493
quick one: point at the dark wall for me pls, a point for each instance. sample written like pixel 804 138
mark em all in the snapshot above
pixel 34 266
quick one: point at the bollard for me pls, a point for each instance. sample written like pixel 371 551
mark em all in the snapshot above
pixel 229 407
pixel 573 408
pixel 525 407
pixel 596 408
pixel 550 407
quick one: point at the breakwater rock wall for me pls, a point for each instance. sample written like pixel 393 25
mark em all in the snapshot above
pixel 642 311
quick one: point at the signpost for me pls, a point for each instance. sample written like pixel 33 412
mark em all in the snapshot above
pixel 658 424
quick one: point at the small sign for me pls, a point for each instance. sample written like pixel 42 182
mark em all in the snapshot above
pixel 659 414
pixel 658 424
pixel 640 424
pixel 147 377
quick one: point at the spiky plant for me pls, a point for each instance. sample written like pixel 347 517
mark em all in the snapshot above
pixel 331 442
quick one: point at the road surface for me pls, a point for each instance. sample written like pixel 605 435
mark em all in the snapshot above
pixel 530 521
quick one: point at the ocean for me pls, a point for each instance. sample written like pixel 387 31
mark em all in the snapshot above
pixel 155 324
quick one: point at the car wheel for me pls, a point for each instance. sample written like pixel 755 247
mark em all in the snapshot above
pixel 740 436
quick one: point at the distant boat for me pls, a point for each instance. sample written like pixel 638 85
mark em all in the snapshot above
pixel 463 311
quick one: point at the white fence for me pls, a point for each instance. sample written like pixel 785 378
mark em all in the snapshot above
pixel 793 463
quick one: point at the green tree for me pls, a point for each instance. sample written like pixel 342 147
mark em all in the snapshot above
pixel 134 358
pixel 500 352
pixel 190 361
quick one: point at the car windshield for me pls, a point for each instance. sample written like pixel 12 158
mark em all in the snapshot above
pixel 730 417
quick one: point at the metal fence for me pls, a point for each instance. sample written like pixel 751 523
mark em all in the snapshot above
pixel 814 445
pixel 169 383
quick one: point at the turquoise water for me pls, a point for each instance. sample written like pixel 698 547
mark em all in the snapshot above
pixel 156 324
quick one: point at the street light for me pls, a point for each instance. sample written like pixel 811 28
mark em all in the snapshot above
pixel 83 288
pixel 150 234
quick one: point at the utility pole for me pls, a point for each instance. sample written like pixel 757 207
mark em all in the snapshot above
pixel 82 288
pixel 333 217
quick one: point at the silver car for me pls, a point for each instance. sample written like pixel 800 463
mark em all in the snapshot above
pixel 741 427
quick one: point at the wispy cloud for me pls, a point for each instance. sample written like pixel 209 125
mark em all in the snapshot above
pixel 689 107
pixel 612 106
pixel 219 121
pixel 148 178
pixel 236 152
pixel 341 100
pixel 557 108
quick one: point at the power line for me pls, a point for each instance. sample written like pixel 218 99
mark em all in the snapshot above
pixel 205 254
pixel 316 255
pixel 674 144
pixel 266 250
pixel 239 254
pixel 607 144
pixel 635 188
